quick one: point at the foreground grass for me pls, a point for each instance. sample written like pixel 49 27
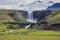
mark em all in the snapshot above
pixel 28 37
pixel 24 34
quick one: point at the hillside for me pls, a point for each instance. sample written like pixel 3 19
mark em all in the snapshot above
pixel 4 17
pixel 12 16
pixel 51 21
pixel 47 19
pixel 12 19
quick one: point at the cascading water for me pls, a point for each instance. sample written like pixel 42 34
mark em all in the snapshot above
pixel 30 17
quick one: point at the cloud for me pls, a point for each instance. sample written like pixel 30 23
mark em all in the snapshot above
pixel 55 1
pixel 15 2
pixel 6 4
pixel 9 2
pixel 27 1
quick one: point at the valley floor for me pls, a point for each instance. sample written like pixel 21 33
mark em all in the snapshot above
pixel 18 37
pixel 24 34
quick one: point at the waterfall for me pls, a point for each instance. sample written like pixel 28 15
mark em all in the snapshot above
pixel 30 17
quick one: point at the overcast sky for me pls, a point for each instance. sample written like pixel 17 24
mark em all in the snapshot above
pixel 15 2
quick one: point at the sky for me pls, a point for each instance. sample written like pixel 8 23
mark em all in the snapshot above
pixel 16 2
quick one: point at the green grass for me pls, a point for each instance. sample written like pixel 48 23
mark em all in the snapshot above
pixel 3 27
pixel 55 19
pixel 4 16
pixel 24 34
pixel 18 37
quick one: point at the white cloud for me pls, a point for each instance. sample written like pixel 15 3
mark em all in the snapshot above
pixel 27 1
pixel 6 4
pixel 56 1
pixel 9 2
pixel 15 2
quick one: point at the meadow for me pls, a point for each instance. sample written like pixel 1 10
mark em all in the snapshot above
pixel 24 34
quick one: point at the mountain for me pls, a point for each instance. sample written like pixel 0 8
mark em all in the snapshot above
pixel 56 6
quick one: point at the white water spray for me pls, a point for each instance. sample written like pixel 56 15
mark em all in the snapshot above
pixel 27 26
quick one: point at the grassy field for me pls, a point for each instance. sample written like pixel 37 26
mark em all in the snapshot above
pixel 24 34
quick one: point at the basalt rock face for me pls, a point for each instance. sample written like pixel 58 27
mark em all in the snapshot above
pixel 21 13
pixel 41 14
pixel 38 15
pixel 19 16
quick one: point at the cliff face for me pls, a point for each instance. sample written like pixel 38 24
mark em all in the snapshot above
pixel 41 14
pixel 36 14
pixel 21 16
pixel 46 19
